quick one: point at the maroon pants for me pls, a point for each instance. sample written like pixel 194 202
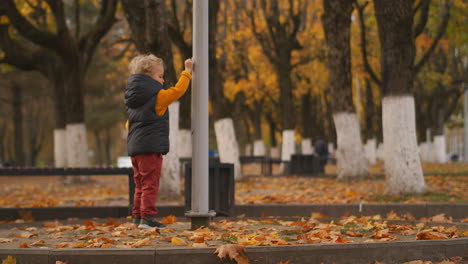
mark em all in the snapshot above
pixel 146 173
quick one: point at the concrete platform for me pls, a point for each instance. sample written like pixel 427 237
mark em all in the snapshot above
pixel 457 211
pixel 388 252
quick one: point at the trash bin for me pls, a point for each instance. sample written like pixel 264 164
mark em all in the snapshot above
pixel 221 187
pixel 306 165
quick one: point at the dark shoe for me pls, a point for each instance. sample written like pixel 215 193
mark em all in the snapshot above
pixel 136 220
pixel 150 222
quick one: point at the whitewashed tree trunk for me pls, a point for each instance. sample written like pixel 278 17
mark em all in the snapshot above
pixel 440 153
pixel 170 175
pixel 60 148
pixel 403 170
pixel 370 151
pixel 248 150
pixel 77 150
pixel 227 144
pixel 427 152
pixel 380 152
pixel 288 148
pixel 351 160
pixel 275 152
pixel 424 152
pixel 331 149
pixel 259 148
pixel 306 146
pixel 184 144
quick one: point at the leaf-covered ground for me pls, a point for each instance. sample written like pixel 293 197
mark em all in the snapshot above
pixel 266 231
pixel 50 191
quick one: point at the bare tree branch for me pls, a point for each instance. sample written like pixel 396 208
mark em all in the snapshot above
pixel 362 26
pixel 424 15
pixel 14 53
pixel 60 18
pixel 440 32
pixel 25 28
pixel 104 22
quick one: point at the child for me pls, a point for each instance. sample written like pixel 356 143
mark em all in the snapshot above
pixel 148 130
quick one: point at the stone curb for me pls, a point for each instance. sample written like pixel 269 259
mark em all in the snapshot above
pixel 388 252
pixel 457 211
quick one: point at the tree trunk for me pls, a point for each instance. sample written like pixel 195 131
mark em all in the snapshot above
pixel 17 109
pixel 227 144
pixel 286 102
pixel 148 22
pixel 336 21
pixel 402 163
pixel 98 153
pixel 108 146
pixel 76 138
pixel 170 174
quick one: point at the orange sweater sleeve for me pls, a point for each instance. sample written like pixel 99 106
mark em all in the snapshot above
pixel 166 97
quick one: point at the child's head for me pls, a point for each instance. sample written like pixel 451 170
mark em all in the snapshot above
pixel 148 64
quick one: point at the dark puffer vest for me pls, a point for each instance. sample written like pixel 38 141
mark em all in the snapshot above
pixel 148 132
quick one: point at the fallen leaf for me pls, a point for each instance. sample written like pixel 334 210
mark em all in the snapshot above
pixel 143 242
pixel 27 235
pixel 9 260
pixel 6 240
pixel 60 262
pixel 38 243
pixel 199 239
pixel 24 245
pixel 393 216
pixel 62 245
pixel 381 234
pixel 233 251
pixel 170 219
pixel 203 244
pixel 430 235
pixel 441 218
pixel 178 241
pixel 105 239
pixel 354 234
pixel 79 245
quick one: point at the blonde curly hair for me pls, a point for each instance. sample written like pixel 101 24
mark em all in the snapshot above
pixel 144 63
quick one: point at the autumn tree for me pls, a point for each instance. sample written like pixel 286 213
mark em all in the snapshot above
pixel 350 155
pixel 63 52
pixel 402 163
pixel 276 24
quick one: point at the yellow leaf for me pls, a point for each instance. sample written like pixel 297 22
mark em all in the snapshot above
pixel 178 241
pixel 9 260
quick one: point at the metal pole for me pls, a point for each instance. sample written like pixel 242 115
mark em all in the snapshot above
pixel 200 214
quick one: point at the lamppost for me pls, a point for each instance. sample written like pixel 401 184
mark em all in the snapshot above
pixel 200 214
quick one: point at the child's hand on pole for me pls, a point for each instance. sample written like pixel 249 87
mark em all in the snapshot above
pixel 189 65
